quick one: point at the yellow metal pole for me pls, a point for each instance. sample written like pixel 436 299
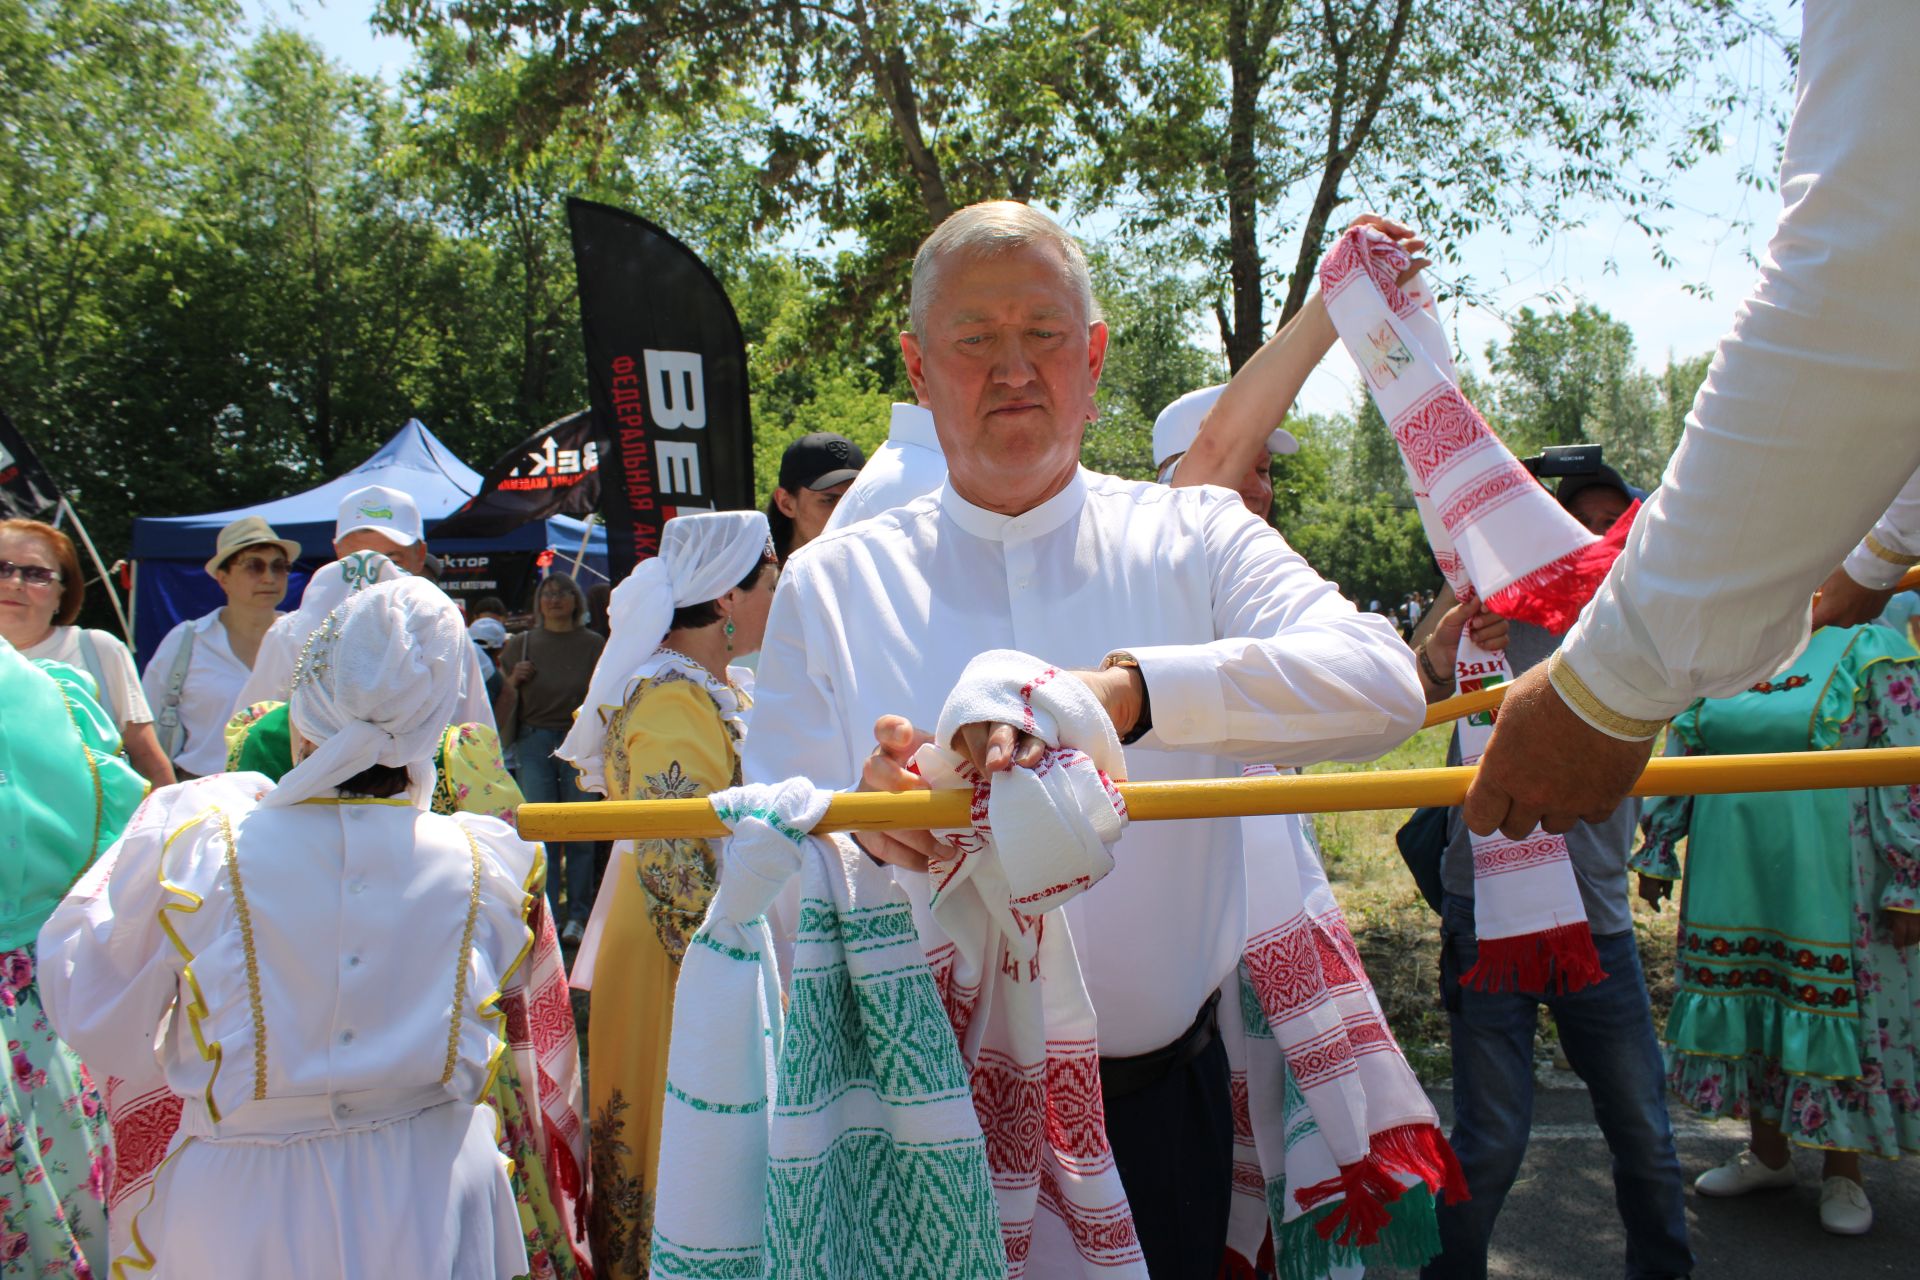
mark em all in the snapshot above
pixel 1238 797
pixel 1465 704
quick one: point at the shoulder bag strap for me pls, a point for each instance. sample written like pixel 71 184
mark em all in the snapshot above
pixel 90 658
pixel 173 734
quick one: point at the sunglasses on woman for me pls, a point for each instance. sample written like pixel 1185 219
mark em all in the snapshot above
pixel 33 575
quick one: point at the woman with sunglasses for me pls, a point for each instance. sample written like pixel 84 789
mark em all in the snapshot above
pixel 41 591
pixel 196 674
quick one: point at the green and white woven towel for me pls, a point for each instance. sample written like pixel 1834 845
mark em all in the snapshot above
pixel 834 1139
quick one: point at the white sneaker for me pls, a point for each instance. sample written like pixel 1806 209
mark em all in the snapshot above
pixel 1843 1207
pixel 1743 1172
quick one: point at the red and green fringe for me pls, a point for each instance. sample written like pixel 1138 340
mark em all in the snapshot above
pixel 1377 1219
pixel 1410 1236
pixel 1560 960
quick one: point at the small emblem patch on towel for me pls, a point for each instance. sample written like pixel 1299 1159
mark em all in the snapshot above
pixel 1389 356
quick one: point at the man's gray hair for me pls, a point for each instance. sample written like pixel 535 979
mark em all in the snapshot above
pixel 987 230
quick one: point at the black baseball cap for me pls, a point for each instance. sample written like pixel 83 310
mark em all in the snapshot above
pixel 820 460
pixel 1603 476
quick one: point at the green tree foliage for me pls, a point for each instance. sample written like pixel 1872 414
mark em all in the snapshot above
pixel 227 272
pixel 1152 357
pixel 1571 378
pixel 1374 471
pixel 104 112
pixel 1371 549
pixel 884 115
pixel 497 160
pixel 1240 130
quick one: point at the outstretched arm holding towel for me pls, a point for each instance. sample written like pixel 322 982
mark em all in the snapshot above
pixel 1801 437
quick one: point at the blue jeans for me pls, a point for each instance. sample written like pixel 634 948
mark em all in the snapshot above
pixel 1607 1031
pixel 544 779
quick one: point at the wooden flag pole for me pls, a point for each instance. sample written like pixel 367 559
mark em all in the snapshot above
pixel 1237 797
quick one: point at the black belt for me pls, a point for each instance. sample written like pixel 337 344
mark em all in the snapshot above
pixel 1121 1076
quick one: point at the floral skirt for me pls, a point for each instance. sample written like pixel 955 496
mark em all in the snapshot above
pixel 549 1252
pixel 53 1142
pixel 1875 1110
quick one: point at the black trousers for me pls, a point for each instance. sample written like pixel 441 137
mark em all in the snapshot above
pixel 1173 1145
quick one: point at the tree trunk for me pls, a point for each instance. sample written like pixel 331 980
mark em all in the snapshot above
pixel 1342 151
pixel 1245 53
pixel 893 81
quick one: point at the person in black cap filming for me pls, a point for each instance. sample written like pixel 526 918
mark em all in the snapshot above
pixel 1606 1028
pixel 814 472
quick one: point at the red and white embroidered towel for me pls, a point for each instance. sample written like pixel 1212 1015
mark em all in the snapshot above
pixel 1346 1150
pixel 1007 971
pixel 1495 530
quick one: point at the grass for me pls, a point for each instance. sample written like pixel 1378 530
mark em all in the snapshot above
pixel 1399 935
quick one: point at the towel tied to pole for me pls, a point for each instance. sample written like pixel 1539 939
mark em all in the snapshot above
pixel 1497 533
pixel 1331 1126
pixel 829 1133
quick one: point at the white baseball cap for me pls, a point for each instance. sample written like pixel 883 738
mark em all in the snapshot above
pixel 1174 430
pixel 385 511
pixel 488 633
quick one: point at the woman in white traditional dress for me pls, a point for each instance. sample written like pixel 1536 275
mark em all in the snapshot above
pixel 332 954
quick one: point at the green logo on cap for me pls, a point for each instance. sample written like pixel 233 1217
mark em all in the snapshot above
pixel 377 513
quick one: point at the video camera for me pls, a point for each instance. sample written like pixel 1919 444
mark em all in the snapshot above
pixel 1565 460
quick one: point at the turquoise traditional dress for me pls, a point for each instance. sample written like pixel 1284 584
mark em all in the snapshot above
pixel 1794 1006
pixel 65 795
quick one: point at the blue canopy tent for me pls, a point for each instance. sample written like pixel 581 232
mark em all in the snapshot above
pixel 170 553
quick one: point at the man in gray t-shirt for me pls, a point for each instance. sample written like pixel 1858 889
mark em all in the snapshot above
pixel 1606 1027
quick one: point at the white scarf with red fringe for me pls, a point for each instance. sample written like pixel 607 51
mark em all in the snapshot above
pixel 1336 1144
pixel 1338 1148
pixel 1497 532
pixel 1006 967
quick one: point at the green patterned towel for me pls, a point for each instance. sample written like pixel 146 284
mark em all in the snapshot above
pixel 836 1138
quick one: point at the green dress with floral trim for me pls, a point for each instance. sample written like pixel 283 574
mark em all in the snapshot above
pixel 1793 1004
pixel 66 793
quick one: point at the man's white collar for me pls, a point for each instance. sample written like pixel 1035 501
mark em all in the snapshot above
pixel 1043 519
pixel 911 424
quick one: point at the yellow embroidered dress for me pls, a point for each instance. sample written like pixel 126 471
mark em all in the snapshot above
pixel 677 736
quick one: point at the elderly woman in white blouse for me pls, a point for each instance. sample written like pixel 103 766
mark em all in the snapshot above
pixel 41 591
pixel 332 955
pixel 196 673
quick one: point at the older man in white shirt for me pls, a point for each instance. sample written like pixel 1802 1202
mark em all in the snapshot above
pixel 1804 432
pixel 1213 638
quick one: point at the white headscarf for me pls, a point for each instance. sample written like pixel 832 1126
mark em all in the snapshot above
pixel 332 584
pixel 702 557
pixel 377 683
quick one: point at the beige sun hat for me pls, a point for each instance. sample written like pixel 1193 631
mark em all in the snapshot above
pixel 249 531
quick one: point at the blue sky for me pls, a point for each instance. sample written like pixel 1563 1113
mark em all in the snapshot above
pixel 1606 261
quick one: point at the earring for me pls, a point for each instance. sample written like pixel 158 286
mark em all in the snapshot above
pixel 729 634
